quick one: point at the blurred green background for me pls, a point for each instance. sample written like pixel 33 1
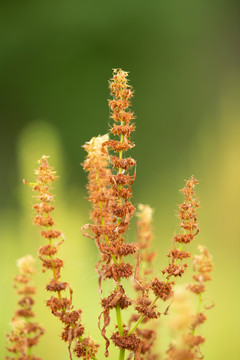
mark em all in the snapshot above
pixel 183 57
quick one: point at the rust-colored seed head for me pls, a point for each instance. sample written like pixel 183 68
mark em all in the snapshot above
pixel 188 223
pixel 125 342
pixel 162 289
pixel 120 207
pixel 187 213
pixel 110 178
pixel 61 306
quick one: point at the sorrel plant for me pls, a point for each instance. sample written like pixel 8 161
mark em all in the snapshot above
pixel 111 173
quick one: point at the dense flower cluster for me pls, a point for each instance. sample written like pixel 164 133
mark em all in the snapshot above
pixel 25 332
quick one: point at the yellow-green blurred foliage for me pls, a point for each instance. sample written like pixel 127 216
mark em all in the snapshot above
pixel 183 58
pixel 219 193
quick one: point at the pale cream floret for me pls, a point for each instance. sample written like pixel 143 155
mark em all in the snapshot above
pixel 26 264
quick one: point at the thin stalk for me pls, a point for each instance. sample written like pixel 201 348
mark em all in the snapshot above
pixel 119 319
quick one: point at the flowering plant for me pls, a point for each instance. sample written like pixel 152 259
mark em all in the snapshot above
pixel 110 176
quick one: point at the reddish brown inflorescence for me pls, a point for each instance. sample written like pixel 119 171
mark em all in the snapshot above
pixel 110 193
pixel 25 332
pixel 188 223
pixel 60 303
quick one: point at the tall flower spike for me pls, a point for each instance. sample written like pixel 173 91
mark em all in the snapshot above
pixel 112 214
pixel 188 222
pixel 60 302
pixel 25 333
pixel 120 206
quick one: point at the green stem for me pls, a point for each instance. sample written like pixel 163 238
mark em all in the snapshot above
pixel 120 329
pixel 119 319
pixel 121 354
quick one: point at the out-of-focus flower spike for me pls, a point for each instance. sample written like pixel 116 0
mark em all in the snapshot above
pixel 25 331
